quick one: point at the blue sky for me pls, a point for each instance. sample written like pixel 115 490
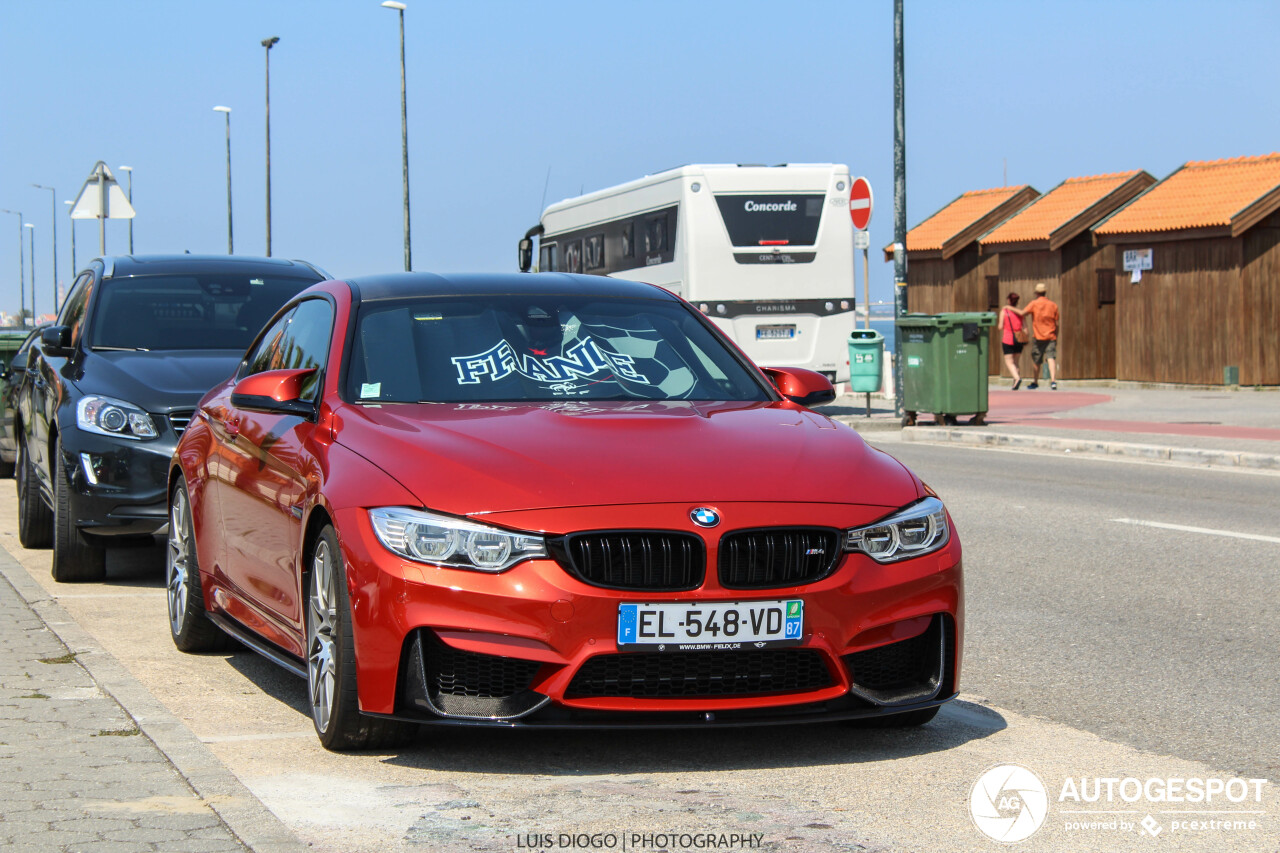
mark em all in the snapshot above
pixel 598 93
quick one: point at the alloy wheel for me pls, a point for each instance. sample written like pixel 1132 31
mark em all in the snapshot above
pixel 179 560
pixel 321 627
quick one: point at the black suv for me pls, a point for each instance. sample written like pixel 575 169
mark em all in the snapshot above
pixel 113 382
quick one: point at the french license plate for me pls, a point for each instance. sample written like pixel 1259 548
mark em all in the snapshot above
pixel 675 626
pixel 775 333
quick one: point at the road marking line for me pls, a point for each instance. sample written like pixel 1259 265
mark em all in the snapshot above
pixel 1210 531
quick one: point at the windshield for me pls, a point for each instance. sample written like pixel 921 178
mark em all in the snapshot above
pixel 766 219
pixel 208 311
pixel 534 348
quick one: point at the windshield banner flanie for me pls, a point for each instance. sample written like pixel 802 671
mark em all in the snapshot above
pixel 583 360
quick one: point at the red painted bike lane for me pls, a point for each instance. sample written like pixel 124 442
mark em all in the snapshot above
pixel 1058 409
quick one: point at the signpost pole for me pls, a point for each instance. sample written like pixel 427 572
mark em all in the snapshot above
pixel 899 202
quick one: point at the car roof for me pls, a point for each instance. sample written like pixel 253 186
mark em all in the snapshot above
pixel 398 285
pixel 121 266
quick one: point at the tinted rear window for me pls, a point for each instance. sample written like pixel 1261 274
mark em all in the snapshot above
pixel 534 348
pixel 766 219
pixel 222 311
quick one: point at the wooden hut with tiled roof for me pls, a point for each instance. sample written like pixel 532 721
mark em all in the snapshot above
pixel 1049 242
pixel 1211 299
pixel 945 271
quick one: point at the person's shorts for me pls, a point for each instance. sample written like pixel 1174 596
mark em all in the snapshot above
pixel 1014 348
pixel 1040 350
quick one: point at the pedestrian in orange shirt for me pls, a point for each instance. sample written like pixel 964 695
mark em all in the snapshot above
pixel 1044 333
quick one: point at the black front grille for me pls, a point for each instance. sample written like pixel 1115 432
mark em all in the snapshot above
pixel 776 557
pixel 449 682
pixel 179 421
pixel 459 673
pixel 633 559
pixel 657 675
pixel 905 671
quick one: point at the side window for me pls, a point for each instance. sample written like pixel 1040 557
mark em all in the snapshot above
pixel 547 257
pixel 306 342
pixel 266 351
pixel 73 309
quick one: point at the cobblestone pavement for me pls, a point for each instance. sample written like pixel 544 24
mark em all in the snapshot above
pixel 76 774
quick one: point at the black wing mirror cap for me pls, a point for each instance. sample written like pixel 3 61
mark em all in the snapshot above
pixel 56 341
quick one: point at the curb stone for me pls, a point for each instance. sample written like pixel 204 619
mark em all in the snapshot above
pixel 248 819
pixel 1145 452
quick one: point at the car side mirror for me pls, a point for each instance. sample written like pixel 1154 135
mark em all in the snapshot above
pixel 526 254
pixel 56 341
pixel 800 386
pixel 276 392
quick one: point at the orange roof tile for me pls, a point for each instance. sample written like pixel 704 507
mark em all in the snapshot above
pixel 1038 220
pixel 956 217
pixel 1201 194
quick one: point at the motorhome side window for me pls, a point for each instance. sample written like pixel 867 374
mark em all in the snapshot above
pixel 595 251
pixel 629 240
pixel 573 256
pixel 547 257
pixel 655 234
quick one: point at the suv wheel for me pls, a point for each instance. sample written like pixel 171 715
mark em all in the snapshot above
pixel 75 556
pixel 35 520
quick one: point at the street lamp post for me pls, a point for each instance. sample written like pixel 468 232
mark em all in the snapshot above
pixel 53 205
pixel 269 43
pixel 230 240
pixel 129 171
pixel 31 253
pixel 404 135
pixel 73 236
pixel 22 271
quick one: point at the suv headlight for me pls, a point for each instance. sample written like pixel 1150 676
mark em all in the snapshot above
pixel 445 541
pixel 107 416
pixel 910 532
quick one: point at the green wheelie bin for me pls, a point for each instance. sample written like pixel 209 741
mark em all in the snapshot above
pixel 944 365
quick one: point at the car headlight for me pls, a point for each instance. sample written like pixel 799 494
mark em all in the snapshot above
pixel 910 532
pixel 446 541
pixel 106 416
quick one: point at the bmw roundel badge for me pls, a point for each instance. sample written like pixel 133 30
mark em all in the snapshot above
pixel 705 517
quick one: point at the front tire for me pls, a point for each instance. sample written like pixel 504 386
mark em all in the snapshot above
pixel 188 625
pixel 35 519
pixel 76 557
pixel 331 660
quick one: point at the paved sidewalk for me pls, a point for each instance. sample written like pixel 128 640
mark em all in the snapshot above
pixel 76 773
pixel 1193 425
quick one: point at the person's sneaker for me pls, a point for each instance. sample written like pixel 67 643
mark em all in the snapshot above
pixel 1033 386
pixel 1017 385
pixel 1053 386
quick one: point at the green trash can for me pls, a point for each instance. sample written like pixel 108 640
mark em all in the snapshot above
pixel 944 365
pixel 866 361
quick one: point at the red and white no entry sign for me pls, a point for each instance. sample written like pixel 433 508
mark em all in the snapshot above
pixel 860 203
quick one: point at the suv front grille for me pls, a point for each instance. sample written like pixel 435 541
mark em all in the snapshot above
pixel 179 421
pixel 659 560
pixel 777 557
pixel 656 675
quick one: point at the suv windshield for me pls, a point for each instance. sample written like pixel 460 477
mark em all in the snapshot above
pixel 210 311
pixel 534 348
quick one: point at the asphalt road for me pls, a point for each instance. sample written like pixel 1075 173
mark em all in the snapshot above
pixel 1094 648
pixel 1156 637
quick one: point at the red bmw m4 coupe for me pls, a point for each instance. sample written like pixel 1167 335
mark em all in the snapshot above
pixel 551 500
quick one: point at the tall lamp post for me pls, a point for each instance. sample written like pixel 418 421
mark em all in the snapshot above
pixel 268 44
pixel 22 271
pixel 404 134
pixel 53 206
pixel 71 206
pixel 31 253
pixel 230 240
pixel 129 192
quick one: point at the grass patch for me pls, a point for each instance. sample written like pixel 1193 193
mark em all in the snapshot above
pixel 34 696
pixel 69 657
pixel 116 733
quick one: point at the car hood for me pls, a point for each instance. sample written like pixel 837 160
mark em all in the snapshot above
pixel 158 381
pixel 467 459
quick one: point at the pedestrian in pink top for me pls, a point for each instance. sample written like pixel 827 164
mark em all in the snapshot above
pixel 1012 337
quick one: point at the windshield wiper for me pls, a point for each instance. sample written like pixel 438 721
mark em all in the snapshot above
pixel 120 349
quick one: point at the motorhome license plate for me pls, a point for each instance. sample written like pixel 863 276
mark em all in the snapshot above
pixel 775 333
pixel 672 626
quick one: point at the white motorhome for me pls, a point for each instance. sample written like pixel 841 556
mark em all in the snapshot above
pixel 766 252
